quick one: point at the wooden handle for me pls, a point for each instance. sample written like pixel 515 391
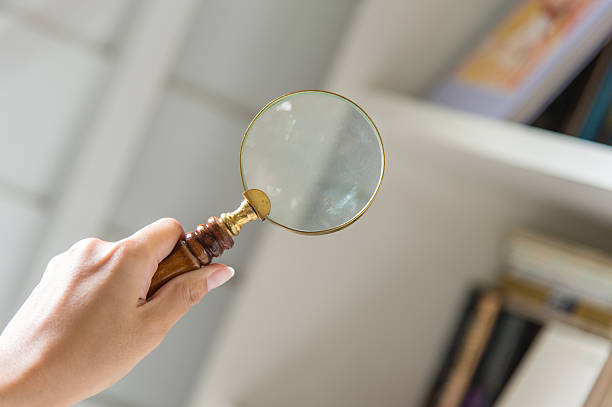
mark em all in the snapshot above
pixel 192 251
pixel 197 249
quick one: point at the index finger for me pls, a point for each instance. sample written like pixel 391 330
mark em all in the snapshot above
pixel 159 238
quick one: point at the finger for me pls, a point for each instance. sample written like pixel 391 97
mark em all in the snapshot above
pixel 178 295
pixel 158 238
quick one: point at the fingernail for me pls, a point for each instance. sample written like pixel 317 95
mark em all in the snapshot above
pixel 219 277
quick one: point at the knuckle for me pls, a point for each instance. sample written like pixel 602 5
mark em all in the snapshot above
pixel 89 248
pixel 85 245
pixel 172 224
pixel 128 248
pixel 81 259
pixel 133 253
pixel 55 265
pixel 56 260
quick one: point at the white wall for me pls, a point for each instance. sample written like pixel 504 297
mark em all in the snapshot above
pixel 360 317
pixel 50 81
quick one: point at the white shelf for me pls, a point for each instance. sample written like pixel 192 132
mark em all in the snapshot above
pixel 530 148
pixel 582 169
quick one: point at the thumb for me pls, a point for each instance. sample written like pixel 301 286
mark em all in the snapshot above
pixel 178 295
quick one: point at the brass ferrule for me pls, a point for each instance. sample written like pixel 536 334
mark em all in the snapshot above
pixel 255 205
pixel 235 220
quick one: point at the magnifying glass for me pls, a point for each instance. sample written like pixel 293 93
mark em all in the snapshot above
pixel 311 162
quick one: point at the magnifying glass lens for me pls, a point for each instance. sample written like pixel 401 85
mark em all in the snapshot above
pixel 318 157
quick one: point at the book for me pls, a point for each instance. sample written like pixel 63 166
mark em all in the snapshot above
pixel 607 400
pixel 605 134
pixel 584 103
pixel 465 348
pixel 512 336
pixel 527 58
pixel 453 348
pixel 541 303
pixel 580 271
pixel 558 370
pixel 602 389
pixel 600 107
pixel 562 109
pixel 473 345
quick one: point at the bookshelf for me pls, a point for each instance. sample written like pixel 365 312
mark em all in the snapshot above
pixel 368 318
pixel 391 56
pixel 547 153
pixel 377 67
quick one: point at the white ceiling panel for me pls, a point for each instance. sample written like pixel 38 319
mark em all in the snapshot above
pixel 46 87
pixel 251 52
pixel 96 20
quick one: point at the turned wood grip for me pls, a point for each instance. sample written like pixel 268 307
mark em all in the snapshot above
pixel 192 251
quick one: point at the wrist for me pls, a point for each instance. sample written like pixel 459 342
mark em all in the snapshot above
pixel 22 373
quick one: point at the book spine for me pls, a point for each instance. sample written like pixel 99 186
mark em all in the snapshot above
pixel 542 303
pixel 568 268
pixel 600 108
pixel 478 335
pixel 509 342
pixel 602 387
pixel 454 347
pixel 585 102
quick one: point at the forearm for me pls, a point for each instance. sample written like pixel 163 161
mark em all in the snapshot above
pixel 27 376
pixel 20 379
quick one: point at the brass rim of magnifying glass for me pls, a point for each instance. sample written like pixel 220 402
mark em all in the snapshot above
pixel 382 147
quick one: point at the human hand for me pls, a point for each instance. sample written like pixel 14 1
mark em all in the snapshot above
pixel 87 323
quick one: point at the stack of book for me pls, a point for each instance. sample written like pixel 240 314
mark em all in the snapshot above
pixel 540 337
pixel 547 63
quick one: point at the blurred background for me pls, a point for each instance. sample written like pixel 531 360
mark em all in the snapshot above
pixel 115 113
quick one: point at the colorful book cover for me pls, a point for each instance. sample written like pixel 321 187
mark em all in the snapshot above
pixel 520 43
pixel 528 58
